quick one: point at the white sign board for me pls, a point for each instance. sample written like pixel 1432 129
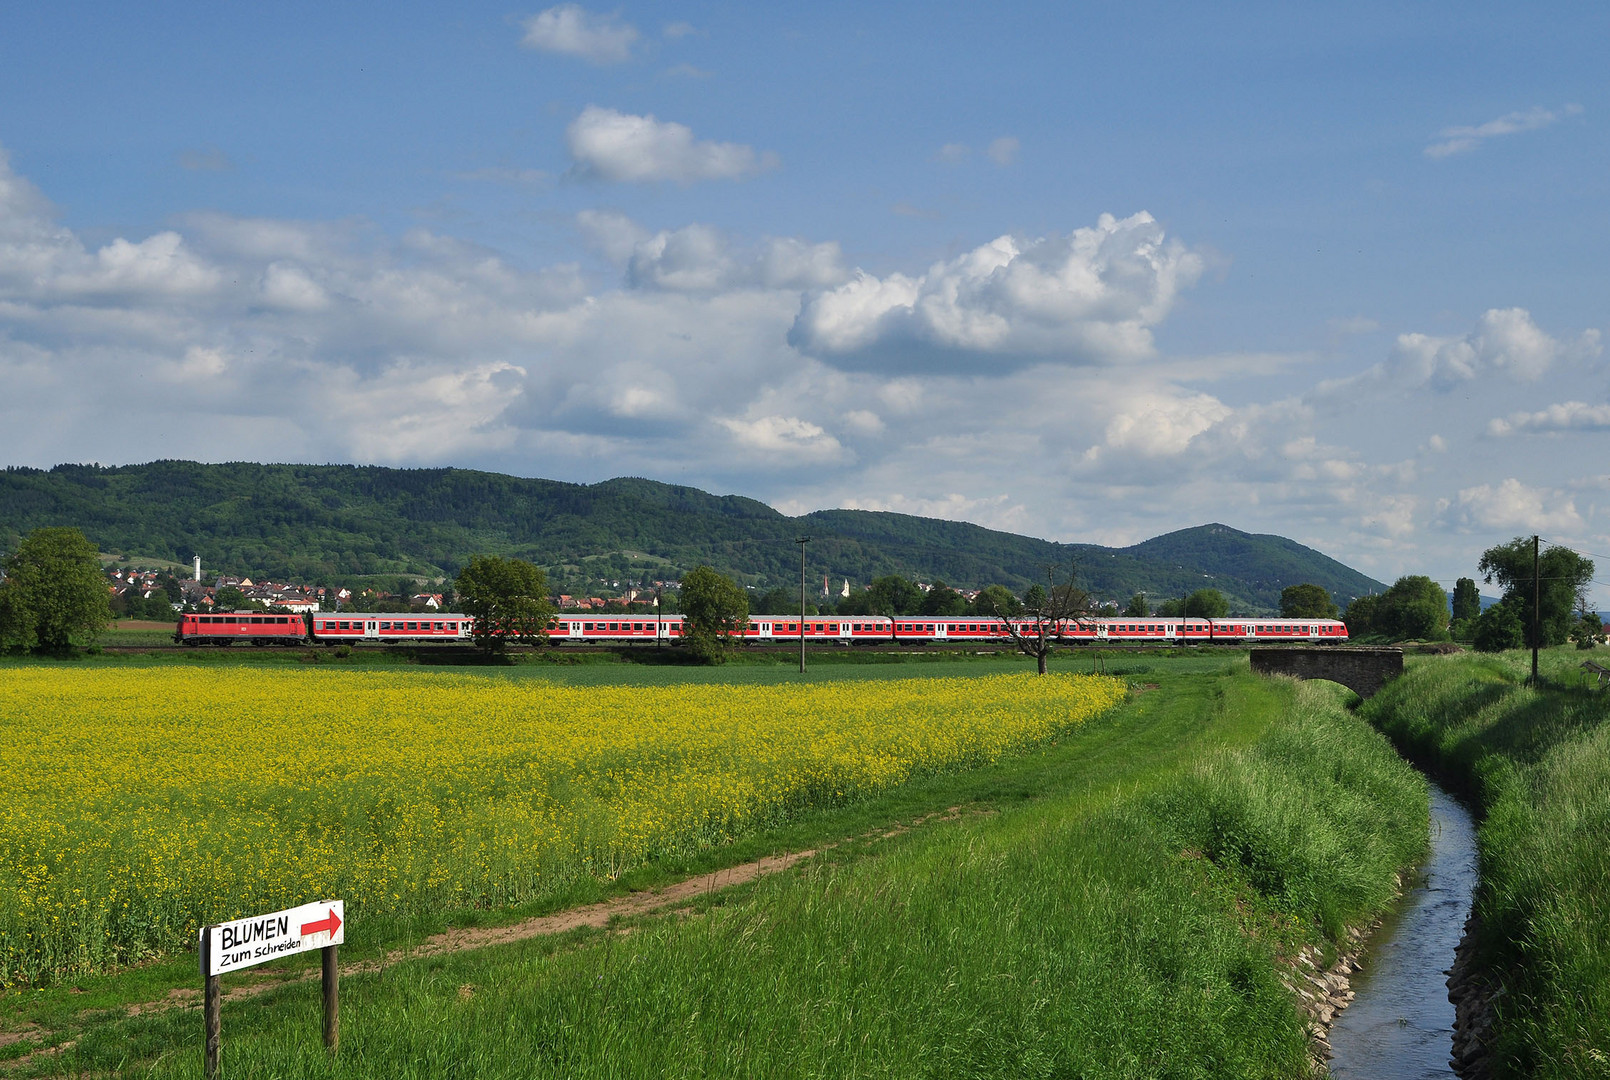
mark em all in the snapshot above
pixel 232 946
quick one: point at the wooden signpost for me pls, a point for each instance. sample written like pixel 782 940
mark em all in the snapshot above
pixel 244 943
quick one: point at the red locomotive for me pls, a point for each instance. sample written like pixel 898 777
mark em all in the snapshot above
pixel 226 628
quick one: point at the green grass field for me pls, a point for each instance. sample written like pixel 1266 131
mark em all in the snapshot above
pixel 1536 762
pixel 1116 904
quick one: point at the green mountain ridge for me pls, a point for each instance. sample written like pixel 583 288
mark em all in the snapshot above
pixel 326 523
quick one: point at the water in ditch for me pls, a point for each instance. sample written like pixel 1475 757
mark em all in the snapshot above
pixel 1400 1024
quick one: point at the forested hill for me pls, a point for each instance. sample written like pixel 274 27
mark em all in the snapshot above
pixel 322 523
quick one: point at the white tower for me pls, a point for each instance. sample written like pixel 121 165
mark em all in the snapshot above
pixel 198 567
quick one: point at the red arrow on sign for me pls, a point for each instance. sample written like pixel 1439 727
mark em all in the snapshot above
pixel 332 924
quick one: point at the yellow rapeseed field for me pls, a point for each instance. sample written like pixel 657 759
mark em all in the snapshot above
pixel 135 806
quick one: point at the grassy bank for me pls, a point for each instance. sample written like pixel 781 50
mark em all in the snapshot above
pixel 1116 904
pixel 1536 761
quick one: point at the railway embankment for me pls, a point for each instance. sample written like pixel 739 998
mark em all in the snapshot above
pixel 1531 981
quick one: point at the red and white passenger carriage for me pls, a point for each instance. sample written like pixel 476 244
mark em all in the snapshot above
pixel 358 628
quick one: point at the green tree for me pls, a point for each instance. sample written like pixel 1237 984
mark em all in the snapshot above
pixel 1500 627
pixel 54 594
pixel 857 603
pixel 1466 610
pixel 1138 607
pixel 230 598
pixel 1360 616
pixel 716 614
pixel 1206 604
pixel 894 595
pixel 1562 586
pixel 1173 608
pixel 1306 602
pixel 942 601
pixel 779 601
pixel 1588 632
pixel 1414 607
pixel 507 598
pixel 996 598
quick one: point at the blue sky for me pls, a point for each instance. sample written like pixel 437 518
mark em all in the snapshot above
pixel 1086 272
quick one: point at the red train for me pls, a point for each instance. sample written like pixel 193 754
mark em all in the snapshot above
pixel 851 629
pixel 449 627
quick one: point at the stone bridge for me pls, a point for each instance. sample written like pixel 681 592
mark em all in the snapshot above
pixel 1361 670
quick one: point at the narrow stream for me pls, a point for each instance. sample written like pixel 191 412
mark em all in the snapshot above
pixel 1400 1026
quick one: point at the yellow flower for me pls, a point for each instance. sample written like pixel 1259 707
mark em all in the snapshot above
pixel 138 808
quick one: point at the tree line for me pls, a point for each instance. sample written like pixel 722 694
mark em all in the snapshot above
pixel 1544 603
pixel 54 596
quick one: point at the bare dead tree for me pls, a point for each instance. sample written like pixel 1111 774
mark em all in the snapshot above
pixel 1045 624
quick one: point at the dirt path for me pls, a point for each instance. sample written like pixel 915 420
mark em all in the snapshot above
pixel 463 939
pixel 480 937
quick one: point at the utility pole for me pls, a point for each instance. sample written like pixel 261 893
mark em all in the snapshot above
pixel 802 541
pixel 1537 608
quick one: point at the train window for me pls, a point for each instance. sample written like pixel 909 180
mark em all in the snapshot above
pixel 832 628
pixel 928 628
pixel 587 626
pixel 637 626
pixel 411 626
pixel 386 625
pixel 452 627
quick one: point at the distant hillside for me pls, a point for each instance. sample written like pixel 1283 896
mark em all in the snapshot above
pixel 326 523
pixel 1259 561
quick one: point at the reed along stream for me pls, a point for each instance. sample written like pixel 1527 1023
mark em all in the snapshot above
pixel 1400 1024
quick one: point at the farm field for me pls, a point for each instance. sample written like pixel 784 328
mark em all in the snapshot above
pixel 1117 900
pixel 143 805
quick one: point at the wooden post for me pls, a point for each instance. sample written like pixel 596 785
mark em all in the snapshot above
pixel 212 998
pixel 332 998
pixel 1537 609
pixel 802 541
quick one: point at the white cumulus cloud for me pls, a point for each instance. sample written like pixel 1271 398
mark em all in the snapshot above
pixel 785 435
pixel 572 30
pixel 702 258
pixel 1161 426
pixel 1511 506
pixel 1505 340
pixel 1565 416
pixel 613 145
pixel 1091 296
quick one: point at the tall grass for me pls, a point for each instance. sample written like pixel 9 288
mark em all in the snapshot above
pixel 1537 761
pixel 1132 929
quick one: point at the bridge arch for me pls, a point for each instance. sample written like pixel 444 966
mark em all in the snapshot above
pixel 1361 670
